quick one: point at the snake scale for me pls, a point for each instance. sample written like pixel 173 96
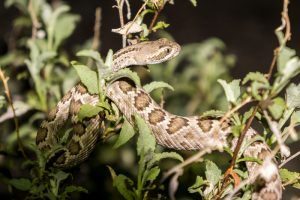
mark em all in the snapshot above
pixel 171 131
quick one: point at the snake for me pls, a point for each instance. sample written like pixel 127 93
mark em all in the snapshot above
pixel 171 131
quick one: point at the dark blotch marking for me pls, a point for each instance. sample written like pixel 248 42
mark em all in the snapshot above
pixel 66 97
pixel 41 135
pixel 205 125
pixel 125 87
pixel 75 107
pixel 156 116
pixel 176 124
pixel 74 147
pixel 81 89
pixel 61 159
pixel 189 136
pixel 142 101
pixel 52 114
pixel 78 129
pixel 269 195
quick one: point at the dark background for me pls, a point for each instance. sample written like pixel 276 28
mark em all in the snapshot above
pixel 246 26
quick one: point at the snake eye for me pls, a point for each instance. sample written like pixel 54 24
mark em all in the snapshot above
pixel 168 50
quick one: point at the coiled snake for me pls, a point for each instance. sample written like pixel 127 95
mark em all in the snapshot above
pixel 171 131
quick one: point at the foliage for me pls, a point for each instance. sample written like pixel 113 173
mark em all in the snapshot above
pixel 196 78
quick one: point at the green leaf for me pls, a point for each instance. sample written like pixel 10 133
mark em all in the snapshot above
pixel 91 54
pixel 123 183
pixel 64 27
pixel 128 74
pixel 213 113
pixel 73 188
pixel 194 2
pixel 196 187
pixel 22 184
pixel 296 185
pixel 293 96
pixel 109 58
pixel 146 141
pixel 126 133
pixel 295 118
pixel 160 25
pixel 87 76
pixel 255 76
pixel 249 159
pixel 155 85
pixel 212 172
pixel 60 176
pixel 288 176
pixel 232 89
pixel 164 155
pixel 277 107
pixel 87 111
pixel 152 174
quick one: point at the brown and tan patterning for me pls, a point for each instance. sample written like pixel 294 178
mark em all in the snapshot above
pixel 171 131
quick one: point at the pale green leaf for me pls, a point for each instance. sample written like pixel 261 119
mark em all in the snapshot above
pixel 156 85
pixel 73 188
pixel 64 27
pixel 255 76
pixel 232 89
pixel 277 107
pixel 293 96
pixel 152 174
pixel 295 118
pixel 127 132
pixel 91 54
pixel 196 187
pixel 87 76
pixel 109 58
pixel 87 111
pixel 123 183
pixel 194 2
pixel 288 176
pixel 127 73
pixel 21 184
pixel 212 172
pixel 146 141
pixel 160 25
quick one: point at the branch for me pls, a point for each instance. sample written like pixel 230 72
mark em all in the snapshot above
pixel 4 80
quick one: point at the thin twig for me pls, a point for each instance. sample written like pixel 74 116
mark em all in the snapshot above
pixel 35 22
pixel 236 108
pixel 119 6
pixel 97 27
pixel 289 159
pixel 188 161
pixel 8 95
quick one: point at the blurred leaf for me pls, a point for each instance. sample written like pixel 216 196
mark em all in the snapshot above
pixel 160 25
pixel 164 155
pixel 295 118
pixel 127 73
pixel 155 85
pixel 87 76
pixel 194 2
pixel 277 107
pixel 196 187
pixel 255 76
pixel 87 111
pixel 212 172
pixel 73 188
pixel 21 184
pixel 91 54
pixel 127 132
pixel 152 174
pixel 123 183
pixel 232 89
pixel 293 96
pixel 146 141
pixel 290 177
pixel 64 27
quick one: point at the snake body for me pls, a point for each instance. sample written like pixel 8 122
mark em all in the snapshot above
pixel 171 131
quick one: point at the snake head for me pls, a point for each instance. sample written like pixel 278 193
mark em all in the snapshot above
pixel 162 50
